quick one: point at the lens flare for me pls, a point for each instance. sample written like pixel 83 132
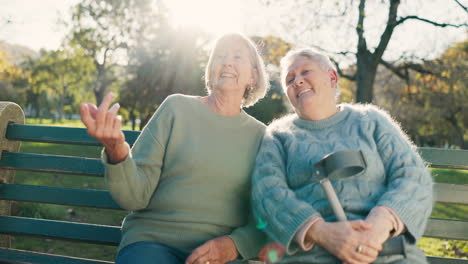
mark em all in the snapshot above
pixel 261 224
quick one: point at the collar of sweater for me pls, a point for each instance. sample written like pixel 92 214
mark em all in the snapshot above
pixel 324 123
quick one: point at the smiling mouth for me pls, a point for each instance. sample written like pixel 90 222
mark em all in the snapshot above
pixel 227 75
pixel 303 92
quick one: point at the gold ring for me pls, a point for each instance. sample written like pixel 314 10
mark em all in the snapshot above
pixel 359 248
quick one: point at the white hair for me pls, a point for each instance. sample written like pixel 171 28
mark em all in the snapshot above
pixel 252 93
pixel 323 61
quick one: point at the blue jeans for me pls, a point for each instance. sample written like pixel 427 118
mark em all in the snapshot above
pixel 150 253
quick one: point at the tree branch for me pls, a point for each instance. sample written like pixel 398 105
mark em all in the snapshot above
pixel 403 19
pixel 341 73
pixel 462 6
pixel 387 34
pixel 394 69
pixel 362 45
pixel 402 70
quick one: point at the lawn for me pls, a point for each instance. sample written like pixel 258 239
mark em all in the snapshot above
pixel 434 247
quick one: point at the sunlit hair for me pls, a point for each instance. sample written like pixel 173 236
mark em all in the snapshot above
pixel 257 91
pixel 323 61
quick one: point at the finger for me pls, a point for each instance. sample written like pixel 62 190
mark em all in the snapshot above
pixel 197 253
pixel 92 110
pixel 203 259
pixel 362 258
pixel 102 110
pixel 109 128
pixel 106 102
pixel 115 108
pixel 363 255
pixel 360 225
pixel 118 127
pixel 86 118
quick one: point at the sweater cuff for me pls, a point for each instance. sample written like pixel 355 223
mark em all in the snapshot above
pixel 248 241
pixel 114 169
pixel 301 234
pixel 398 225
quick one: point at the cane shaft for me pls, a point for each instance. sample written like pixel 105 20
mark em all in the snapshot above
pixel 333 200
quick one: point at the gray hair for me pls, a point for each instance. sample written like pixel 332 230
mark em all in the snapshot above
pixel 254 92
pixel 323 61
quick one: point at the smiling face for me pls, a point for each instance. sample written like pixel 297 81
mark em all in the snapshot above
pixel 309 86
pixel 231 68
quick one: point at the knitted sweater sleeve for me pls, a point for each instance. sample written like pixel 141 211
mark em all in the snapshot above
pixel 276 208
pixel 409 182
pixel 248 239
pixel 133 181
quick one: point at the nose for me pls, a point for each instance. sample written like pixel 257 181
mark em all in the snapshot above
pixel 298 81
pixel 227 61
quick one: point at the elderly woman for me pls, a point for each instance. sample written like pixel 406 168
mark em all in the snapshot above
pixel 187 177
pixel 391 197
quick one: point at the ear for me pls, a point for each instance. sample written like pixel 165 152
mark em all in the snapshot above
pixel 333 78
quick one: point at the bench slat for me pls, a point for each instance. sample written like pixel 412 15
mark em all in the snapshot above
pixel 21 256
pixel 445 158
pixel 52 163
pixel 57 195
pixel 448 229
pixel 451 193
pixel 438 260
pixel 90 233
pixel 54 134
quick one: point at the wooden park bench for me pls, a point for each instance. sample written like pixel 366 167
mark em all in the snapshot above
pixel 13 131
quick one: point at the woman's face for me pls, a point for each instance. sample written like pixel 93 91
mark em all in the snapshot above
pixel 308 86
pixel 231 67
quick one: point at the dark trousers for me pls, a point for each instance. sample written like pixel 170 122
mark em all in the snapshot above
pixel 150 253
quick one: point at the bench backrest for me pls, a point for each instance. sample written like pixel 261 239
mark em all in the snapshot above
pixel 110 235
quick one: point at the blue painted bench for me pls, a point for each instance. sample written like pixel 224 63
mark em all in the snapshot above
pixel 13 131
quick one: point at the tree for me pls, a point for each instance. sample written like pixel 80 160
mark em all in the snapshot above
pixel 12 79
pixel 310 16
pixel 172 62
pixel 104 30
pixel 432 106
pixel 63 75
pixel 273 105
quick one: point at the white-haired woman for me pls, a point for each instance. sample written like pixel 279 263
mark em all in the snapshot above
pixel 187 177
pixel 391 197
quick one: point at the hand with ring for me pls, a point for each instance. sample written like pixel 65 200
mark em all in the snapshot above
pixel 363 252
pixel 215 251
pixel 342 239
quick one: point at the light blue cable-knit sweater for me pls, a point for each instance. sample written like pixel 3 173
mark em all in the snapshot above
pixel 286 192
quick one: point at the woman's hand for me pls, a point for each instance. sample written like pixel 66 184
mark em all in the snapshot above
pixel 381 222
pixel 346 240
pixel 105 126
pixel 216 251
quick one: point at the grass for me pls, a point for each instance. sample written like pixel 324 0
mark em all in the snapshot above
pixel 445 247
pixel 431 246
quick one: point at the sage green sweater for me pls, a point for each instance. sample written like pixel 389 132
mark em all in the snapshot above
pixel 187 178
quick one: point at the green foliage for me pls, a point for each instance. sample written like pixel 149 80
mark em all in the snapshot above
pixel 271 107
pixel 60 76
pixel 169 63
pixel 431 107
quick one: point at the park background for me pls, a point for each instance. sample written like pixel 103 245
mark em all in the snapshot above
pixel 408 57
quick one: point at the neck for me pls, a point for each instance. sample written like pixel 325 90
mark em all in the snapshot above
pixel 315 114
pixel 223 103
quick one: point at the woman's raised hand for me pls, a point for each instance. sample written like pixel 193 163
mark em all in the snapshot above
pixel 105 126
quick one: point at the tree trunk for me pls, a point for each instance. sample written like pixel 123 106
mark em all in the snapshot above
pixel 99 84
pixel 365 77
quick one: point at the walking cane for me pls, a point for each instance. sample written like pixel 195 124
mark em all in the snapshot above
pixel 342 165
